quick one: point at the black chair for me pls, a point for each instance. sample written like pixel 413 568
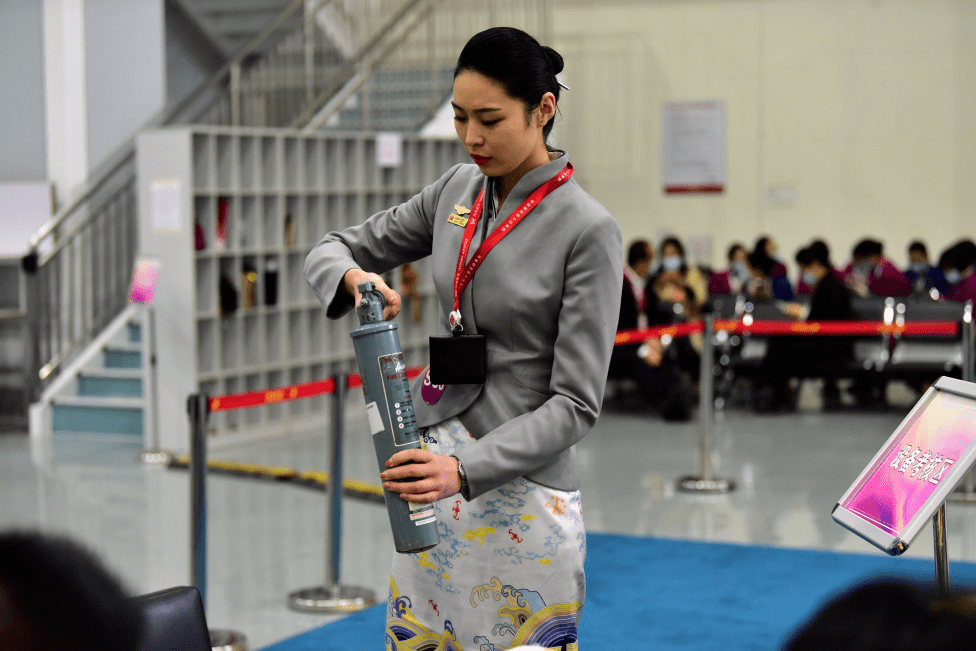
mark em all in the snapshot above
pixel 174 619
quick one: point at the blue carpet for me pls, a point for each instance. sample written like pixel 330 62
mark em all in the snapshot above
pixel 653 593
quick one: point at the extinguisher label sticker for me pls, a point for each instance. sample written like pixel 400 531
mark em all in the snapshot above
pixel 420 512
pixel 427 521
pixel 374 418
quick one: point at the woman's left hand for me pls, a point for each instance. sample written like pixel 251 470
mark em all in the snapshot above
pixel 421 476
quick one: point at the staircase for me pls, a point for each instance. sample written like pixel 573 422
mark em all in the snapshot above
pixel 232 24
pixel 105 392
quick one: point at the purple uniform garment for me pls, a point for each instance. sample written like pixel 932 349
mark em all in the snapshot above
pixel 964 290
pixel 885 280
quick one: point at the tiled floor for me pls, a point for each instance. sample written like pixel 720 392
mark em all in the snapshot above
pixel 266 540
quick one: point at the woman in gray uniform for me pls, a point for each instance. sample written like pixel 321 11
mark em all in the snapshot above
pixel 525 258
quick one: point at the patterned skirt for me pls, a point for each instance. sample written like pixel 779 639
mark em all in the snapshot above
pixel 507 572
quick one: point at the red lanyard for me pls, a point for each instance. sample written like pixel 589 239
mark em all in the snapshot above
pixel 464 273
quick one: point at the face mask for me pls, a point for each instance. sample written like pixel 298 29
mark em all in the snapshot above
pixel 809 278
pixel 740 269
pixel 953 276
pixel 863 269
pixel 919 267
pixel 671 263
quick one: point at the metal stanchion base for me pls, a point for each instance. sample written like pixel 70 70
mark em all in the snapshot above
pixel 341 599
pixel 227 641
pixel 700 485
pixel 156 457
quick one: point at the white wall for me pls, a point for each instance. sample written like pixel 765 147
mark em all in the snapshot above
pixel 22 99
pixel 126 70
pixel 864 110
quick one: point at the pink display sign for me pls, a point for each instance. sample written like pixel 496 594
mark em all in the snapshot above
pixel 144 278
pixel 915 463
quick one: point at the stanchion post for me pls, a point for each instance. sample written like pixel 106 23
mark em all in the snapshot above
pixel 198 407
pixel 705 482
pixel 333 512
pixel 941 553
pixel 153 454
pixel 333 596
pixel 967 337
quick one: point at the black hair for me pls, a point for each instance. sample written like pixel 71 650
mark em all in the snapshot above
pixel 813 253
pixel 734 248
pixel 525 68
pixel 675 242
pixel 638 251
pixel 804 257
pixel 918 246
pixel 820 249
pixel 888 615
pixel 65 596
pixel 867 248
pixel 960 256
pixel 761 261
pixel 761 244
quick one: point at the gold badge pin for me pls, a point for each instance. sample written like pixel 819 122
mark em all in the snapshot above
pixel 458 220
pixel 461 210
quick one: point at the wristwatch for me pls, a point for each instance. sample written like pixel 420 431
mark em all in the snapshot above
pixel 463 477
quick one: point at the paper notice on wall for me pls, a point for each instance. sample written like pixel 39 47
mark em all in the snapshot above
pixel 389 149
pixel 693 147
pixel 165 197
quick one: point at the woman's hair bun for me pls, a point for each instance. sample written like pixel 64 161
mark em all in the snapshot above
pixel 554 58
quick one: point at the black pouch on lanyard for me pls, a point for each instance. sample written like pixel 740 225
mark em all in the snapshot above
pixel 458 359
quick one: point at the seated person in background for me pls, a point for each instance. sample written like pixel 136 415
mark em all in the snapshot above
pixel 730 281
pixel 802 288
pixel 765 284
pixel 673 261
pixel 958 264
pixel 659 378
pixel 830 301
pixel 870 273
pixel 921 275
pixel 640 256
pixel 56 596
pixel 768 245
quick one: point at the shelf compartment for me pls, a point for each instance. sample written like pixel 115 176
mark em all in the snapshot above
pixel 270 167
pixel 202 163
pixel 206 286
pixel 273 334
pixel 206 345
pixel 294 157
pixel 226 162
pixel 250 154
pixel 230 344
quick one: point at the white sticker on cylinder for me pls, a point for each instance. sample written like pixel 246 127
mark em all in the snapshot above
pixel 375 418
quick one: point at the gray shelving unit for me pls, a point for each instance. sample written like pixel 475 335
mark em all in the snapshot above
pixel 243 208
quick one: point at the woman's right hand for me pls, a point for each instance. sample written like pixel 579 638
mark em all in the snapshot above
pixel 353 277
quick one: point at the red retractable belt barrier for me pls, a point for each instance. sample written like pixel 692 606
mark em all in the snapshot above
pixel 354 381
pixel 294 392
pixel 271 396
pixel 824 328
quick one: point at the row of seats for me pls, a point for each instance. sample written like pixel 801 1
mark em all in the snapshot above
pixel 885 357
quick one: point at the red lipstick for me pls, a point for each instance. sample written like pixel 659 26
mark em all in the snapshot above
pixel 481 160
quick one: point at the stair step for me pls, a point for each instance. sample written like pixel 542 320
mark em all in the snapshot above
pixel 111 382
pixel 99 415
pixel 122 356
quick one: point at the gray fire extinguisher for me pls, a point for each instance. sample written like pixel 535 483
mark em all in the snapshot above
pixel 390 415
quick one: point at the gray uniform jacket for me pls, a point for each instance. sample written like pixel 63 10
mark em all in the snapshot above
pixel 546 298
